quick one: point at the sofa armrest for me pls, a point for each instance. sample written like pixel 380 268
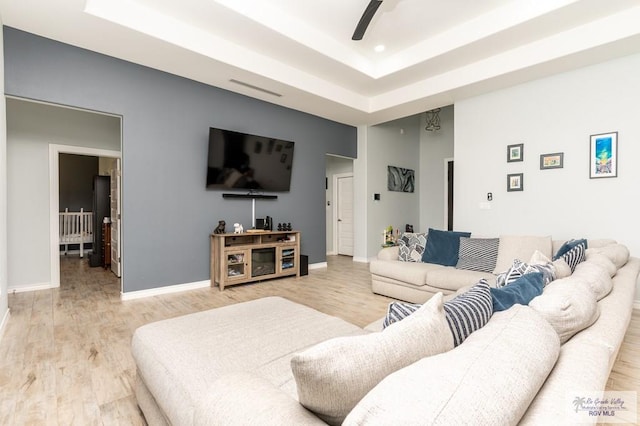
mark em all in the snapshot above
pixel 388 253
pixel 244 399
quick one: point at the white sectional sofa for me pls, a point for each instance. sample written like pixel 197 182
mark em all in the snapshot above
pixel 275 362
pixel 416 281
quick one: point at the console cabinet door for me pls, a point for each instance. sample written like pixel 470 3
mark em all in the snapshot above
pixel 237 264
pixel 287 260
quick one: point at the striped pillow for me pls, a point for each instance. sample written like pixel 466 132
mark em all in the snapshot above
pixel 398 311
pixel 574 256
pixel 478 254
pixel 466 313
pixel 469 311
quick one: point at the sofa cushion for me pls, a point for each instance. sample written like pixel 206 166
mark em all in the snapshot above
pixel 568 245
pixel 411 246
pixel 520 247
pixel 617 253
pixel 469 311
pixel 478 254
pixel 443 246
pixel 488 380
pixel 334 375
pixel 568 305
pixel 603 261
pixel 448 278
pixel 595 277
pixel 520 291
pixel 408 272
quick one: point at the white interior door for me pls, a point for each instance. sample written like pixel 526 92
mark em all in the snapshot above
pixel 115 219
pixel 344 188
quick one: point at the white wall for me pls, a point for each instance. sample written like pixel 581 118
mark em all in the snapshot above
pixel 435 146
pixel 555 114
pixel 31 127
pixel 361 197
pixel 334 165
pixel 396 143
pixel 4 307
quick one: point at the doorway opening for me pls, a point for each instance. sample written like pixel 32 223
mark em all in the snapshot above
pixel 339 205
pixel 105 199
pixel 448 193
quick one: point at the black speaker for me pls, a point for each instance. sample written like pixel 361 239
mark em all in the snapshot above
pixel 260 223
pixel 304 264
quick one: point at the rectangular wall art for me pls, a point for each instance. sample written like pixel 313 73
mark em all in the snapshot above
pixel 400 180
pixel 552 161
pixel 603 155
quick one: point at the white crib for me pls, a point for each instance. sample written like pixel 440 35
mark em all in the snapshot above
pixel 76 228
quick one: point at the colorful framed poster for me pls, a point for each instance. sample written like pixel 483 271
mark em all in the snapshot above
pixel 603 155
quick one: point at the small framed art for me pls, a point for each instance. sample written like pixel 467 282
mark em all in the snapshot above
pixel 603 155
pixel 515 152
pixel 515 182
pixel 552 161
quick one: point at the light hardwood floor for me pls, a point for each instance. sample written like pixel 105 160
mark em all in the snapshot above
pixel 65 358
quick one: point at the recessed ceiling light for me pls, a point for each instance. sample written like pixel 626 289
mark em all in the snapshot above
pixel 379 48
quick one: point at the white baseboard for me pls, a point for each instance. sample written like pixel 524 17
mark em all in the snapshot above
pixel 130 295
pixel 636 304
pixel 360 259
pixel 30 287
pixel 318 265
pixel 332 253
pixel 3 324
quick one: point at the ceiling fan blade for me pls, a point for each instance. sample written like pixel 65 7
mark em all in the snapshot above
pixel 366 18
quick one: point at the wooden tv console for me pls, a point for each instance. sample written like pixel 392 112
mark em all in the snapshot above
pixel 254 256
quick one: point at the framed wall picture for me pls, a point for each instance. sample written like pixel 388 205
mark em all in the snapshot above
pixel 400 179
pixel 515 153
pixel 552 161
pixel 515 182
pixel 603 155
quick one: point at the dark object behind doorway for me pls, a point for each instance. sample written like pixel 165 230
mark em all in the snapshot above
pixel 101 209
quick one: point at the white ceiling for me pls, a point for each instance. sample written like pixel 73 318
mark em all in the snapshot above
pixel 437 51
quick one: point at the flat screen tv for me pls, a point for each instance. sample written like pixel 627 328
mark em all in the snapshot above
pixel 242 161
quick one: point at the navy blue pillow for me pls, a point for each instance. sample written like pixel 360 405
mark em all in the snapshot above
pixel 521 291
pixel 567 246
pixel 442 247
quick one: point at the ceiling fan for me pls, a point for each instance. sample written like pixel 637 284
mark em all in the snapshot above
pixel 365 19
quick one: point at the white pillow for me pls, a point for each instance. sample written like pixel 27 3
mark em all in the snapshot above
pixel 520 247
pixel 334 375
pixel 563 269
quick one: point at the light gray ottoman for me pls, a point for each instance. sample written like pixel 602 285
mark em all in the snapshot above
pixel 179 359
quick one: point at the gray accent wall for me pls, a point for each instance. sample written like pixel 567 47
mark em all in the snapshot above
pixel 167 213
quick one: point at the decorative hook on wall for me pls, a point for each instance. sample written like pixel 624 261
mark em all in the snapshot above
pixel 433 120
